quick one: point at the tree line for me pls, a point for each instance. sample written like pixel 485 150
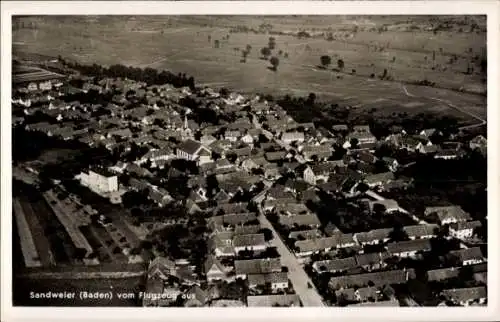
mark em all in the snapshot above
pixel 148 75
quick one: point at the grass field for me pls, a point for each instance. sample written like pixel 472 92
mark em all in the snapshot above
pixel 181 45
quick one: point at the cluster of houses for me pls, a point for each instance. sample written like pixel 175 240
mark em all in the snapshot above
pixel 256 150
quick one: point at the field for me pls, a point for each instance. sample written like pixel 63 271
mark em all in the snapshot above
pixel 182 45
pixel 52 241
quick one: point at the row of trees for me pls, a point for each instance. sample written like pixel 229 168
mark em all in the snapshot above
pixel 148 75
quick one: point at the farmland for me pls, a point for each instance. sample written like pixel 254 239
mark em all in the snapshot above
pixel 405 47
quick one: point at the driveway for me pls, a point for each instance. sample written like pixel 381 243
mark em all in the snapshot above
pixel 296 274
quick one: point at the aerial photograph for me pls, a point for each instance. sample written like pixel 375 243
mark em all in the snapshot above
pixel 249 161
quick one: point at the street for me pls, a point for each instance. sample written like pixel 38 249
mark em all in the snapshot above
pixel 296 274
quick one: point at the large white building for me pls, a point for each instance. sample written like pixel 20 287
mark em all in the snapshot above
pixel 99 181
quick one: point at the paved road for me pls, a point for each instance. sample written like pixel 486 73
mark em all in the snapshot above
pixel 296 274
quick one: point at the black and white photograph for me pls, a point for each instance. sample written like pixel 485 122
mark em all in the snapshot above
pixel 246 161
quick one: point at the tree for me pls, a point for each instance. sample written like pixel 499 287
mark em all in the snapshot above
pixel 379 209
pixel 340 64
pixel 325 60
pixel 384 75
pixel 248 48
pixel 216 43
pixel 275 62
pixel 265 52
pixel 311 99
pixel 209 38
pixel 398 233
pixel 268 234
pixel 272 43
pixel 244 55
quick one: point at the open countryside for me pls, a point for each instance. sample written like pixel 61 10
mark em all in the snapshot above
pixel 410 50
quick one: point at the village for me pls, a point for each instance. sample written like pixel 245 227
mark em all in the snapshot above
pixel 223 199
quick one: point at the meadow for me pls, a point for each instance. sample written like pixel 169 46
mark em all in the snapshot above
pixel 184 44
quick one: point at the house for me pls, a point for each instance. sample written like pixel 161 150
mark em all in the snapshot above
pixel 243 152
pixel 251 242
pixel 409 143
pixel 466 296
pixel 243 268
pixel 428 132
pixel 161 268
pixel 194 151
pixel 409 248
pixel 99 180
pixel 320 172
pixel 246 230
pixel 160 196
pixel 362 134
pixel 272 171
pixel 310 246
pixel 447 214
pixel 362 295
pixel 214 270
pixel 382 278
pixel 276 280
pixel 427 149
pixel 389 205
pixel 424 231
pixel 282 300
pixel 275 156
pixel 479 142
pixel 206 140
pixel 373 237
pixel 254 163
pixel 447 154
pixel 468 256
pixel 232 135
pixel 296 186
pixel 308 220
pixel 226 303
pixel 305 234
pixel 367 157
pixel 379 179
pixel 248 139
pixel 291 208
pixel 335 265
pixel 464 229
pixel 290 137
pixel 442 274
pixel 340 128
pixel 222 196
pixel 156 155
pixel 163 296
pixel 220 244
pixel 195 297
pixel 372 261
pixel 223 164
pixel 318 152
pixel 391 163
pixel 385 303
pixel 481 277
pixel 121 133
